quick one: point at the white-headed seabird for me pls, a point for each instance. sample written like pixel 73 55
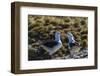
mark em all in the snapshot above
pixel 53 45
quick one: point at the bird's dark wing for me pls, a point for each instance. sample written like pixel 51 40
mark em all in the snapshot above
pixel 50 44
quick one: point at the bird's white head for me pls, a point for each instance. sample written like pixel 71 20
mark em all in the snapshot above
pixel 69 34
pixel 70 37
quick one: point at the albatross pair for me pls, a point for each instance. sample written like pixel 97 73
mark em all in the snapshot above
pixel 52 46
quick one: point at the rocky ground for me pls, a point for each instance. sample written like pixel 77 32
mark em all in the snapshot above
pixel 81 54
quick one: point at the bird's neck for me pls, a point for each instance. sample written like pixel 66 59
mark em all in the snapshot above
pixel 57 38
